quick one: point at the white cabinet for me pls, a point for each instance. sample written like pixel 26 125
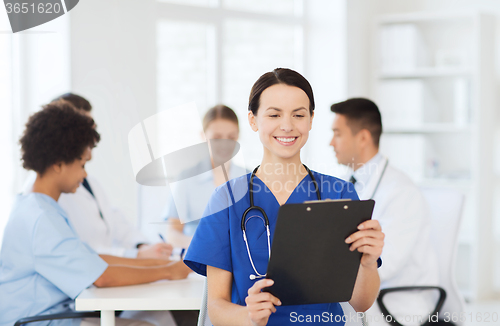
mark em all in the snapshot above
pixel 432 77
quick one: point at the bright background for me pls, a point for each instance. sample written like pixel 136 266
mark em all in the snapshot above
pixel 132 59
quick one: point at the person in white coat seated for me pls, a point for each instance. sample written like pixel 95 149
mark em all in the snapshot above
pixel 408 258
pixel 98 223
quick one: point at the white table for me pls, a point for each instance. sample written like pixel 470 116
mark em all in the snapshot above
pixel 162 295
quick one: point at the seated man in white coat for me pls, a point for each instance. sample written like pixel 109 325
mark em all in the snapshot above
pixel 408 258
pixel 102 226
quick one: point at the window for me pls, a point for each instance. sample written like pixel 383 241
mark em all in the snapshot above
pixel 212 52
pixel 280 7
pixel 192 2
pixel 34 68
pixel 184 52
pixel 252 48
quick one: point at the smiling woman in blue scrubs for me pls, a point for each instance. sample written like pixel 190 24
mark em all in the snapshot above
pixel 281 109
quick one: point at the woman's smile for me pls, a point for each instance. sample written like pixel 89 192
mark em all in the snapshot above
pixel 286 141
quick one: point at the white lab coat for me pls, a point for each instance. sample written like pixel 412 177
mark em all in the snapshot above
pixel 408 258
pixel 113 235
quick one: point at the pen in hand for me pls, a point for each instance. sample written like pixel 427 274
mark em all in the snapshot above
pixel 163 240
pixel 182 251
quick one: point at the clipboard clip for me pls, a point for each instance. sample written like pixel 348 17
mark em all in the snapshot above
pixel 326 200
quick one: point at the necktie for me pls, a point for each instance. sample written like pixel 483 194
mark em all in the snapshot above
pixel 86 184
pixel 352 180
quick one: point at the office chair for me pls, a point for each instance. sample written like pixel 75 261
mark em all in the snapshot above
pixel 67 315
pixel 204 320
pixel 445 206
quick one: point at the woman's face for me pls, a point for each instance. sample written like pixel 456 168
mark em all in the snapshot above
pixel 283 120
pixel 222 135
pixel 222 129
pixel 72 174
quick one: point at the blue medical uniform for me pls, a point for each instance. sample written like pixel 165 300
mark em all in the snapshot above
pixel 43 263
pixel 218 240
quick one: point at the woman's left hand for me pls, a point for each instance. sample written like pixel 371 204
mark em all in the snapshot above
pixel 369 240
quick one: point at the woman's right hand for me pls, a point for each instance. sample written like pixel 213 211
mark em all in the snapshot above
pixel 155 251
pixel 260 304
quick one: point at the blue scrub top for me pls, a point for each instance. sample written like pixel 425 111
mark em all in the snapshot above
pixel 43 263
pixel 218 240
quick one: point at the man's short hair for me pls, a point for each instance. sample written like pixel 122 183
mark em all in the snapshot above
pixel 58 133
pixel 78 101
pixel 361 113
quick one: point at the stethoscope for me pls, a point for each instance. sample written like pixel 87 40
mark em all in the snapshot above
pixel 380 178
pixel 266 220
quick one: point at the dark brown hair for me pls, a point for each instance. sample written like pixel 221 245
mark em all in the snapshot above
pixel 78 101
pixel 219 111
pixel 361 113
pixel 58 133
pixel 279 76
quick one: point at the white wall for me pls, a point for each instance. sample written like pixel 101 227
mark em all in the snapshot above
pixel 361 14
pixel 113 65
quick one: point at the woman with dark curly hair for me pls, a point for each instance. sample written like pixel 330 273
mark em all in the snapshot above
pixel 43 263
pixel 99 223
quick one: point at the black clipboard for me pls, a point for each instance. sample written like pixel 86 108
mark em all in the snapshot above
pixel 310 261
